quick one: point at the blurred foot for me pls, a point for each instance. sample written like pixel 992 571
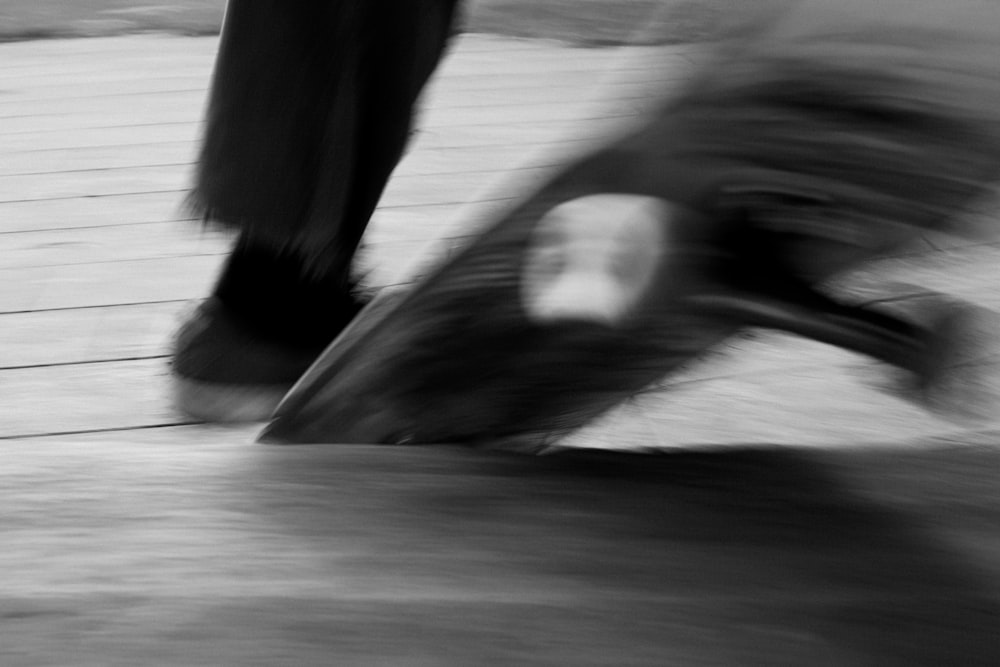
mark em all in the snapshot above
pixel 223 372
pixel 268 319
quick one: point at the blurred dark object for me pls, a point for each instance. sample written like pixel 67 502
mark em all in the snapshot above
pixel 815 140
pixel 310 109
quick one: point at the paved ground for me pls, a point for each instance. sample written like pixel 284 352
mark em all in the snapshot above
pixel 871 536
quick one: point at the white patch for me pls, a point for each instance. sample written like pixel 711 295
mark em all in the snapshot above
pixel 593 258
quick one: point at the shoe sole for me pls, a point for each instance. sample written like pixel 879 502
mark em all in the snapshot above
pixel 226 403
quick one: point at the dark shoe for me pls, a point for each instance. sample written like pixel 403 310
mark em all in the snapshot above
pixel 222 372
pixel 267 320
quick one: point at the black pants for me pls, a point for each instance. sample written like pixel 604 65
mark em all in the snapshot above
pixel 310 109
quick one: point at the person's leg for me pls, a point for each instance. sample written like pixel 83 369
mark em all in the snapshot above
pixel 310 111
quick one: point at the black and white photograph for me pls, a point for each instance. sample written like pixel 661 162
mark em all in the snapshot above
pixel 460 333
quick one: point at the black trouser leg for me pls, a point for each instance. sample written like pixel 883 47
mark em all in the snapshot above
pixel 310 111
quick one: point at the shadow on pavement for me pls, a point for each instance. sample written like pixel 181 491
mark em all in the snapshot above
pixel 210 554
pixel 749 556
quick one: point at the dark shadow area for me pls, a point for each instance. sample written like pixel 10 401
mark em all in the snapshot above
pixel 234 554
pixel 749 556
